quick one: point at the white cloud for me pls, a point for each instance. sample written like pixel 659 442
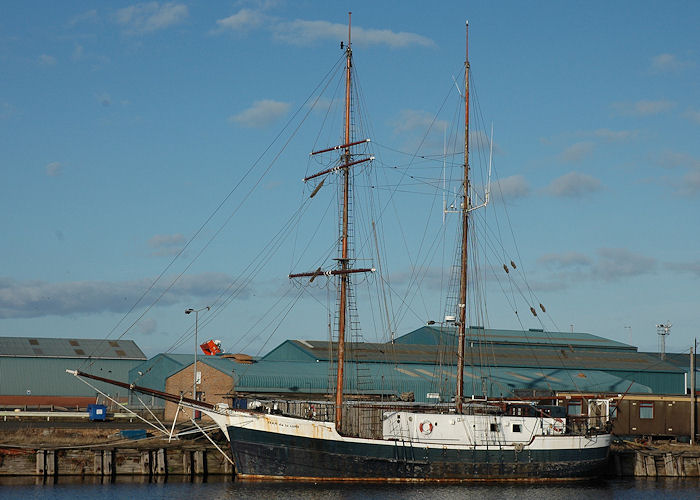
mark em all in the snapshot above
pixel 616 263
pixel 47 60
pixel 165 240
pixel 411 120
pixel 6 109
pixel 149 17
pixel 305 32
pixel 510 188
pixel 693 115
pixel 324 104
pixel 643 107
pixel 54 169
pixel 78 52
pixel 609 264
pixel 669 63
pixel 565 260
pixel 244 20
pixel 302 32
pixel 673 159
pixel 261 113
pixel 419 130
pixel 692 267
pixel 147 326
pixel 166 244
pixel 32 299
pixel 430 278
pixel 574 185
pixel 89 16
pixel 478 140
pixel 592 137
pixel 690 185
pixel 615 135
pixel 576 152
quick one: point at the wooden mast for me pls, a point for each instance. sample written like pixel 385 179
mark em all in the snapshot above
pixel 461 328
pixel 344 240
pixel 343 269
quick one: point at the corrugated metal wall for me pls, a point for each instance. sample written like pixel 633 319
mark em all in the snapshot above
pixel 48 377
pixel 660 383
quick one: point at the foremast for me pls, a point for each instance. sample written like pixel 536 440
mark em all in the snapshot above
pixel 344 264
pixel 461 327
pixel 344 267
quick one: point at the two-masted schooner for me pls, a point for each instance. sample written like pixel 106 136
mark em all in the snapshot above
pixel 506 440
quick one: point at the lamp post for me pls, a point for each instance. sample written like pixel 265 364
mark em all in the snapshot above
pixel 196 326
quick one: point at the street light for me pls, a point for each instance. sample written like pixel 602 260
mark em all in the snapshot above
pixel 196 326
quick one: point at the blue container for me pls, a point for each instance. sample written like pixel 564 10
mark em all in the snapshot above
pixel 133 434
pixel 97 412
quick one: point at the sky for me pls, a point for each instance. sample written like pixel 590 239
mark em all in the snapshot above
pixel 134 133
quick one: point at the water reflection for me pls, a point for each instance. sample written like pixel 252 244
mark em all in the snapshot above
pixel 221 487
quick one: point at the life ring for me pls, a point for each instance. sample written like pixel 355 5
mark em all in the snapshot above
pixel 518 447
pixel 425 427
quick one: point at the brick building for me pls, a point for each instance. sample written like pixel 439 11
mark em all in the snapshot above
pixel 214 383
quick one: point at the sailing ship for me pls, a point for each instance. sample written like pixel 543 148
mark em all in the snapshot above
pixel 464 441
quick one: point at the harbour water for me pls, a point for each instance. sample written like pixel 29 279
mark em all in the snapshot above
pixel 79 489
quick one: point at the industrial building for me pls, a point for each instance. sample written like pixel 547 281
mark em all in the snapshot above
pixel 499 363
pixel 419 366
pixel 33 370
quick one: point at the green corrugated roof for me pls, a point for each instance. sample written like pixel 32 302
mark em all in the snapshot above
pixel 297 350
pixel 224 365
pixel 680 360
pixel 155 371
pixel 40 347
pixel 549 356
pixel 446 335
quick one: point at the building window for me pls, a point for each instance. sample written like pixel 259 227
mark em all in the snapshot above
pixel 646 409
pixel 494 428
pixel 574 409
pixel 516 428
pixel 613 411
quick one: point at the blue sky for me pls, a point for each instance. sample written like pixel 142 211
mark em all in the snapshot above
pixel 123 126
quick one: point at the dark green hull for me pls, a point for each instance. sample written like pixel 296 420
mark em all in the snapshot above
pixel 267 455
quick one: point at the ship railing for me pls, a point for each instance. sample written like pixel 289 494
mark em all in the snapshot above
pixel 362 418
pixel 584 425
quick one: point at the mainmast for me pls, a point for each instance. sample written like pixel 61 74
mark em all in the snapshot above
pixel 461 327
pixel 344 269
